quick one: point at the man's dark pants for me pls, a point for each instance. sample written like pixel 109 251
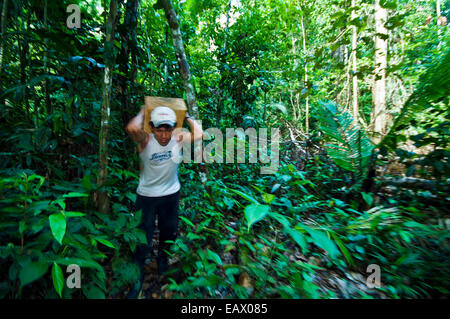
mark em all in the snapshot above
pixel 166 209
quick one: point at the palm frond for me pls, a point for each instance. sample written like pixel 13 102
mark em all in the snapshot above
pixel 352 148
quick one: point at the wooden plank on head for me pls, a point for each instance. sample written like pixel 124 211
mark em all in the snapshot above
pixel 176 104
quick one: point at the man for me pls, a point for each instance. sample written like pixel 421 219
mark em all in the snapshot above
pixel 158 190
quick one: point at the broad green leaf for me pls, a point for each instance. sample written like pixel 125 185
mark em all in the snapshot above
pixel 58 278
pixel 247 197
pixel 31 272
pixel 213 256
pixel 281 219
pixel 299 238
pixel 254 213
pixel 320 238
pixel 58 226
pixel 80 262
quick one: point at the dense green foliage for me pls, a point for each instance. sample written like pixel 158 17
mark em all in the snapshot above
pixel 308 231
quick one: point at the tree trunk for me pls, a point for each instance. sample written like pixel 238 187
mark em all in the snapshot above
pixel 126 79
pixel 438 11
pixel 23 60
pixel 379 86
pixel 181 57
pixel 306 79
pixel 355 76
pixel 48 105
pixel 3 29
pixel 440 21
pixel 2 38
pixel 166 68
pixel 103 199
pixel 223 59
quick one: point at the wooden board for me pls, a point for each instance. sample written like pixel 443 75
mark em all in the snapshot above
pixel 176 104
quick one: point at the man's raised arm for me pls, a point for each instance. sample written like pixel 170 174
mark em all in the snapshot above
pixel 196 131
pixel 135 128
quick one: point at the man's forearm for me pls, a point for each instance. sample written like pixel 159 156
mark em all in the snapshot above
pixel 197 132
pixel 137 121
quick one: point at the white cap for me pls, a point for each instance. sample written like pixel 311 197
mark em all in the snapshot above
pixel 163 115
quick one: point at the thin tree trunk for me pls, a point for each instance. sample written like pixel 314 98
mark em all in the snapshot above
pixel 48 105
pixel 355 76
pixel 181 57
pixel 166 40
pixel 226 26
pixel 295 67
pixel 439 22
pixel 2 38
pixel 127 78
pixel 103 199
pixel 149 58
pixel 306 79
pixel 379 87
pixel 23 49
pixel 293 106
pixel 224 61
pixel 299 110
pixel 438 11
pixel 3 29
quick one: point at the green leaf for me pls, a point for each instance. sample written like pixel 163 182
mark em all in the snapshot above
pixel 352 147
pixel 299 238
pixel 343 249
pixel 58 226
pixel 38 207
pixel 86 183
pixel 80 262
pixel 22 226
pixel 31 272
pixel 268 198
pixel 247 197
pixel 213 256
pixel 73 214
pixel 320 238
pixel 281 219
pixel 187 221
pixel 75 194
pixel 254 213
pixel 310 267
pixel 58 278
pixel 279 106
pixel 105 242
pixel 368 198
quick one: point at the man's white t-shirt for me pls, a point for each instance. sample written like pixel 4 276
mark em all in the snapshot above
pixel 159 174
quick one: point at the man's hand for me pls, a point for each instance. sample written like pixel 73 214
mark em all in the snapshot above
pixel 135 129
pixel 197 132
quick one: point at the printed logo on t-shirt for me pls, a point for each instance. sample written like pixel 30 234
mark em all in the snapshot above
pixel 161 156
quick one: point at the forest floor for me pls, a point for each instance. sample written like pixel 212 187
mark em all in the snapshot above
pixel 346 285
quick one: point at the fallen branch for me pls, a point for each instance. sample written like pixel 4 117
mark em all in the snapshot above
pixel 414 183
